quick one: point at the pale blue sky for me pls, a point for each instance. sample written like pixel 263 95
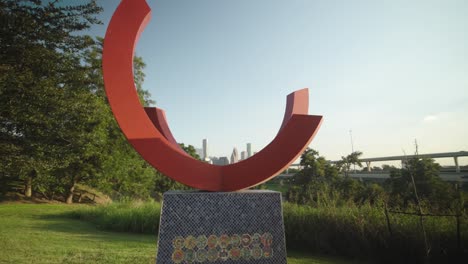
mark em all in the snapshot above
pixel 392 71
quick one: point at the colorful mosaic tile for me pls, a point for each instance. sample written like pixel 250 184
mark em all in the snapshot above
pixel 224 241
pixel 189 256
pixel 245 240
pixel 267 239
pixel 201 249
pixel 267 252
pixel 212 241
pixel 212 254
pixel 202 255
pixel 257 252
pixel 223 254
pixel 235 253
pixel 235 240
pixel 256 239
pixel 178 242
pixel 245 253
pixel 178 256
pixel 202 241
pixel 190 242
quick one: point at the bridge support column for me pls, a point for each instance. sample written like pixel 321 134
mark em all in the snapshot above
pixel 368 166
pixel 457 167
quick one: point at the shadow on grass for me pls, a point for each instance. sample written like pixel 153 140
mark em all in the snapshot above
pixel 64 224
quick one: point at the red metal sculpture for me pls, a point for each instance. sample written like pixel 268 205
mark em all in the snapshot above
pixel 147 130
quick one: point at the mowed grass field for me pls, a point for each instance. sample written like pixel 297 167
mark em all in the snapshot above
pixel 41 233
pixel 32 233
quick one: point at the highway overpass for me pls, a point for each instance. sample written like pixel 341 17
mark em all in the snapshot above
pixel 454 155
pixel 446 176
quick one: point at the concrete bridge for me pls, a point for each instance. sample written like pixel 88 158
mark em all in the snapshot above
pixel 453 155
pixel 445 176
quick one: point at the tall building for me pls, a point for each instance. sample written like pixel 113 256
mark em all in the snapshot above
pixel 249 150
pixel 243 155
pixel 214 160
pixel 223 161
pixel 205 149
pixel 234 156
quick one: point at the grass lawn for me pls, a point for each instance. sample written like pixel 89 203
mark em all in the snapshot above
pixel 37 233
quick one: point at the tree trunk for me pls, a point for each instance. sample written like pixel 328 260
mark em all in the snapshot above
pixel 79 197
pixel 28 187
pixel 28 184
pixel 70 192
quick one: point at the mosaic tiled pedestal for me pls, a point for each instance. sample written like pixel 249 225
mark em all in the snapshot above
pixel 221 227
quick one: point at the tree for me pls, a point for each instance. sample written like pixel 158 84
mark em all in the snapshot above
pixel 311 184
pixel 124 173
pixel 41 75
pixel 190 150
pixel 352 159
pixel 85 128
pixel 386 167
pixel 318 183
pixel 430 187
pixel 139 76
pixel 56 127
pixel 313 167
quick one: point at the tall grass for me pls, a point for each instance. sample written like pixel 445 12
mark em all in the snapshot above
pixel 362 232
pixel 351 231
pixel 136 217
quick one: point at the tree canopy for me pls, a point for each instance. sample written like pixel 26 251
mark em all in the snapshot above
pixel 56 127
pixel 48 117
pixel 346 161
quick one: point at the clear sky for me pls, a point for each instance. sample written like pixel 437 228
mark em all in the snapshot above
pixel 391 71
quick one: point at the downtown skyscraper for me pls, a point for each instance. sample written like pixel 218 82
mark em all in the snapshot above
pixel 234 156
pixel 205 149
pixel 249 150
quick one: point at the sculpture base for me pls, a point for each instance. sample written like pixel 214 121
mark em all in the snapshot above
pixel 221 227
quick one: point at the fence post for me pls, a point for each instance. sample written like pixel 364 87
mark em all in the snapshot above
pixel 458 233
pixel 459 213
pixel 388 221
pixel 421 214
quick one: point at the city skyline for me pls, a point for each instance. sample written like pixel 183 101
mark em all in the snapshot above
pixel 244 154
pixel 221 160
pixel 390 71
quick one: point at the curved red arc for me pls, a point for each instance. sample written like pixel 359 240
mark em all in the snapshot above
pixel 154 141
pixel 297 103
pixel 158 118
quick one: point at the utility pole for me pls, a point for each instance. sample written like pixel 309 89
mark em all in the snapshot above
pixel 416 147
